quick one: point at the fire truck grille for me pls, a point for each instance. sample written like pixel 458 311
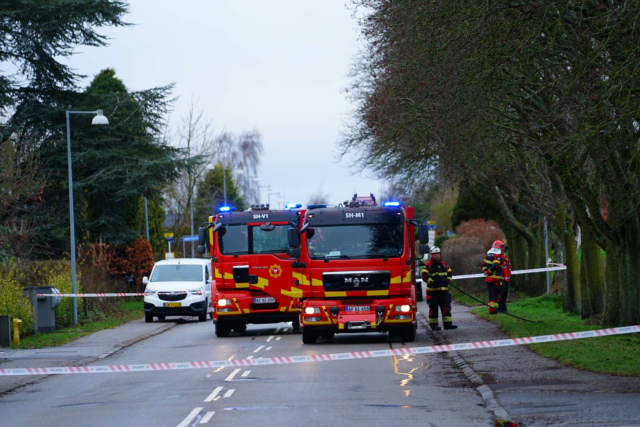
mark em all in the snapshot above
pixel 356 281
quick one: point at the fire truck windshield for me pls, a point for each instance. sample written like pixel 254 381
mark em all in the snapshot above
pixel 243 239
pixel 356 241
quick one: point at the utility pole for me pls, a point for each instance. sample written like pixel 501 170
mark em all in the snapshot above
pixel 146 219
pixel 546 254
pixel 224 183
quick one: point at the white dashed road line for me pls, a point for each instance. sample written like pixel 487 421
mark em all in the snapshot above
pixel 269 348
pixel 233 374
pixel 270 338
pixel 207 417
pixel 258 349
pixel 277 329
pixel 213 394
pixel 278 339
pixel 187 421
pixel 250 357
pixel 229 393
pixel 246 373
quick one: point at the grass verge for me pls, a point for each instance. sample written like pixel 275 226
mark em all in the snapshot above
pixel 619 355
pixel 126 312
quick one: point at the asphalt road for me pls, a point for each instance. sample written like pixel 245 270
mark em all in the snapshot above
pixel 400 391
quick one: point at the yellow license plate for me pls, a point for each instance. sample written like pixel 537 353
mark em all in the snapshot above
pixel 173 304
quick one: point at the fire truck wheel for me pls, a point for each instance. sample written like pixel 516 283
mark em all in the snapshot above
pixel 296 324
pixel 419 296
pixel 328 335
pixel 240 327
pixel 148 318
pixel 308 337
pixel 409 334
pixel 222 329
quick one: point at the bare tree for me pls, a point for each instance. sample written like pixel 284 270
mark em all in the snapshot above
pixel 319 197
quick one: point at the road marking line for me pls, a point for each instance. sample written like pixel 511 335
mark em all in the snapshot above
pixel 213 394
pixel 207 417
pixel 208 375
pixel 187 421
pixel 278 339
pixel 246 373
pixel 277 329
pixel 232 374
pixel 250 357
pixel 285 330
pixel 270 338
pixel 258 349
pixel 229 393
pixel 269 348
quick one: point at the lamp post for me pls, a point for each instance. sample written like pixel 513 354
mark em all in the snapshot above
pixel 269 197
pixel 99 119
pixel 260 187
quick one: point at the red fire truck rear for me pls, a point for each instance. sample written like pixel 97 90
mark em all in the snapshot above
pixel 252 268
pixel 359 269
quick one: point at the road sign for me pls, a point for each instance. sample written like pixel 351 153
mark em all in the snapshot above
pixel 169 255
pixel 168 235
pixel 431 222
pixel 189 239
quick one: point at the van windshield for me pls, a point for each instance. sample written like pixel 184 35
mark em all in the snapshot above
pixel 177 273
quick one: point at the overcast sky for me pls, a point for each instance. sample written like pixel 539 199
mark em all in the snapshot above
pixel 278 65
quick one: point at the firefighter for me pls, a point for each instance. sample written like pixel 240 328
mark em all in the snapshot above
pixel 437 276
pixel 497 269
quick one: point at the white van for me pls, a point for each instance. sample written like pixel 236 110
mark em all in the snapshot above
pixel 178 287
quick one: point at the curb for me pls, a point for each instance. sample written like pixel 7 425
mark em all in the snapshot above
pixel 483 389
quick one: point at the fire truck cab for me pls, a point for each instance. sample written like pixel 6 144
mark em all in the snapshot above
pixel 252 267
pixel 359 270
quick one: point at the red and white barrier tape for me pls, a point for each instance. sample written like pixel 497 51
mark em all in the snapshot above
pixel 531 270
pixel 321 357
pixel 142 294
pixel 136 294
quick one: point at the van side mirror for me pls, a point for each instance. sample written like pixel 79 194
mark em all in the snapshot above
pixel 293 237
pixel 423 234
pixel 145 280
pixel 202 237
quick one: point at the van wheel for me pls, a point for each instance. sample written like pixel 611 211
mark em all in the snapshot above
pixel 240 327
pixel 148 318
pixel 162 317
pixel 222 329
pixel 202 317
pixel 308 337
pixel 409 334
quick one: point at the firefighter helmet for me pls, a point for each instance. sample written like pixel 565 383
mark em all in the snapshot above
pixel 435 250
pixel 498 245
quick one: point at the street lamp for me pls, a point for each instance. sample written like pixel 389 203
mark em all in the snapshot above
pixel 269 197
pixel 99 119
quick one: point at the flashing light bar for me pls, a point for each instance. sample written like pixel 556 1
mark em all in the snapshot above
pixel 293 206
pixel 316 206
pixel 226 209
pixel 392 204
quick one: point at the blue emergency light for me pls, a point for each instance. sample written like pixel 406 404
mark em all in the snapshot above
pixel 226 209
pixel 316 206
pixel 392 204
pixel 293 206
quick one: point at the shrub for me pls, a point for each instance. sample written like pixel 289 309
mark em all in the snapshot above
pixel 439 241
pixel 464 255
pixel 486 231
pixel 12 299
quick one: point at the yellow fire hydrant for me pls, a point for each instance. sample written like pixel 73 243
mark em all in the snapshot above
pixel 16 331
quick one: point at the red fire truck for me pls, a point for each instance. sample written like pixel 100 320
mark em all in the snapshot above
pixel 359 269
pixel 254 274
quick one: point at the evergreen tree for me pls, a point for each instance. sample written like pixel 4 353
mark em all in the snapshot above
pixel 211 194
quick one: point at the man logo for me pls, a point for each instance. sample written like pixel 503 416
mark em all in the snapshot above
pixel 356 281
